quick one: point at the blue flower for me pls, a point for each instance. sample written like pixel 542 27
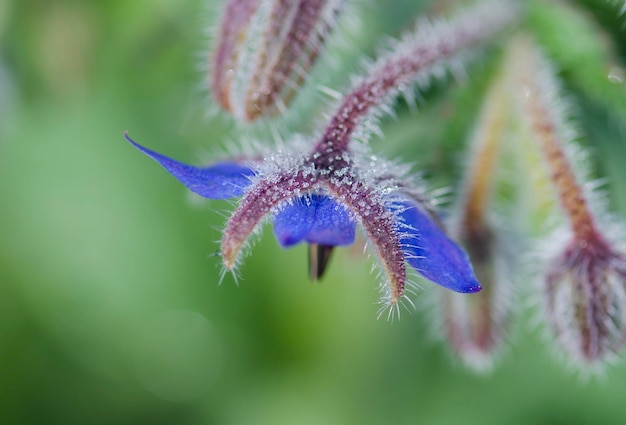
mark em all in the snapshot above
pixel 319 195
pixel 308 209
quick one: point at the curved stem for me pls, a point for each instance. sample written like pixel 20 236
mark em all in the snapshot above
pixel 416 57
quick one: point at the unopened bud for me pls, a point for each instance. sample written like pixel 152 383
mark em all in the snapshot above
pixel 264 50
pixel 586 300
pixel 585 277
pixel 474 325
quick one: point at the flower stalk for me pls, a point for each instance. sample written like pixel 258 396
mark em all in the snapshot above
pixel 473 325
pixel 415 59
pixel 585 280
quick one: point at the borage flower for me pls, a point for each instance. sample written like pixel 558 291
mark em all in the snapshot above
pixel 323 212
pixel 318 195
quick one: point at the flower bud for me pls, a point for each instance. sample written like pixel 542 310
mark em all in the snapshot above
pixel 584 275
pixel 585 290
pixel 264 50
pixel 474 325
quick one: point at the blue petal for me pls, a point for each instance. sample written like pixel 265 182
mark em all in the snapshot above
pixel 222 180
pixel 315 219
pixel 435 256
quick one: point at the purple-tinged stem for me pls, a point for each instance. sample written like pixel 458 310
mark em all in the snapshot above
pixel 412 60
pixel 379 226
pixel 260 199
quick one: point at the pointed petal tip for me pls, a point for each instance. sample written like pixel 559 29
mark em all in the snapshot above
pixel 135 144
pixel 131 141
pixel 221 180
pixel 471 288
pixel 152 154
pixel 433 254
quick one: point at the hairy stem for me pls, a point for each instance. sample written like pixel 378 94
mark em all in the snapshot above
pixel 547 125
pixel 415 57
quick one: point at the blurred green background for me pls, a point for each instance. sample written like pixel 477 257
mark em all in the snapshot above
pixel 111 310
